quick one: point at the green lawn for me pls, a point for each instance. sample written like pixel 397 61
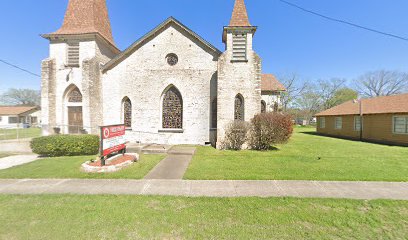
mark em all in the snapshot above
pixel 136 217
pixel 341 160
pixel 69 167
pixel 10 134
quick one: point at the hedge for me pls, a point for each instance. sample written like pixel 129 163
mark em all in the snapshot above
pixel 66 145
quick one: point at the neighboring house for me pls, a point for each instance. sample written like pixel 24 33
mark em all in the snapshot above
pixel 381 119
pixel 19 116
pixel 171 86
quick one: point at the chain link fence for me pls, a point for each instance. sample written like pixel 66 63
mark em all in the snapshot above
pixel 20 131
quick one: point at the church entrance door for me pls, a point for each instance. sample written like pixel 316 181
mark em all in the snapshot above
pixel 75 120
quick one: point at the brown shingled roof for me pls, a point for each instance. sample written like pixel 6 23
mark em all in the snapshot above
pixel 379 105
pixel 87 16
pixel 239 15
pixel 270 83
pixel 16 110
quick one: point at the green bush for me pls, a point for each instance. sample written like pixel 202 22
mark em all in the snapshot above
pixel 235 135
pixel 66 145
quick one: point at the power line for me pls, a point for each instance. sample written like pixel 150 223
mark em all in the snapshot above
pixel 344 22
pixel 19 68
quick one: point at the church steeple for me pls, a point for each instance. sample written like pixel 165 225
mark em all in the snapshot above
pixel 87 17
pixel 239 15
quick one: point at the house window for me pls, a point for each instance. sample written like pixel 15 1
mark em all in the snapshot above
pixel 357 123
pixel 338 123
pixel 263 107
pixel 73 54
pixel 322 122
pixel 214 113
pixel 13 120
pixel 1 118
pixel 172 109
pixel 239 47
pixel 400 125
pixel 127 112
pixel 75 96
pixel 239 109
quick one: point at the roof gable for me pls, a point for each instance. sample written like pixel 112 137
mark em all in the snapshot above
pixel 270 83
pixel 152 34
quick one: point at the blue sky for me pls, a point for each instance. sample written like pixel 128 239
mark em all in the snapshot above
pixel 288 40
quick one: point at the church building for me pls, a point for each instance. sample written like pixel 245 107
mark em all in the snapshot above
pixel 169 87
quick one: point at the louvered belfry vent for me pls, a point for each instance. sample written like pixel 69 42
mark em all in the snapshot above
pixel 73 54
pixel 239 47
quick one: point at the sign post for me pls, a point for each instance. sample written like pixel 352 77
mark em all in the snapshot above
pixel 112 140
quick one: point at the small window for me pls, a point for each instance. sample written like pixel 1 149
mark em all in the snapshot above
pixel 75 96
pixel 239 47
pixel 73 54
pixel 357 123
pixel 338 123
pixel 172 59
pixel 322 122
pixel 13 120
pixel 239 109
pixel 263 106
pixel 400 125
pixel 127 113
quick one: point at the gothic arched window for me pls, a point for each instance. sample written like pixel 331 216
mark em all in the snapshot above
pixel 214 113
pixel 75 96
pixel 239 109
pixel 127 112
pixel 263 106
pixel 172 109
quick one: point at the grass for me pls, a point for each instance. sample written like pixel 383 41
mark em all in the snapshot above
pixel 22 133
pixel 148 217
pixel 305 157
pixel 69 167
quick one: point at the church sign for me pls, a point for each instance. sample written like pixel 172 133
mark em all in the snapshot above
pixel 112 139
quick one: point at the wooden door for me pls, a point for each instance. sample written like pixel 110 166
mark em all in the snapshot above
pixel 75 121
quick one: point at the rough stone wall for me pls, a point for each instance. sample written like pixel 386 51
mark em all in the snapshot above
pixel 48 98
pixel 86 77
pixel 144 76
pixel 237 78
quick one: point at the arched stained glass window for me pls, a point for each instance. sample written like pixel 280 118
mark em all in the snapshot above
pixel 127 112
pixel 239 108
pixel 214 113
pixel 172 109
pixel 263 106
pixel 75 96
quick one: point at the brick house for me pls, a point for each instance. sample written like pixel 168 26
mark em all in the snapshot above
pixel 381 119
pixel 171 86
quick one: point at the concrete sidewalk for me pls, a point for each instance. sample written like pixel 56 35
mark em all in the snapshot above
pixel 174 165
pixel 309 189
pixel 12 161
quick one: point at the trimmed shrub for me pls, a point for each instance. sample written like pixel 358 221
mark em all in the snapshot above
pixel 66 145
pixel 268 129
pixel 236 135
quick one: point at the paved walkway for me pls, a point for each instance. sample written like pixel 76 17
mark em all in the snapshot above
pixel 16 160
pixel 174 165
pixel 314 189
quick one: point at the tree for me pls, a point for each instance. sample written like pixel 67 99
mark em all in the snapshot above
pixel 21 97
pixel 382 83
pixel 310 102
pixel 343 95
pixel 327 90
pixel 294 89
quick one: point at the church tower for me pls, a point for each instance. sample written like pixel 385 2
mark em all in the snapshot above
pixel 71 77
pixel 239 73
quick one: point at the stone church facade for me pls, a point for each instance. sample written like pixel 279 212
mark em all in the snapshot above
pixel 169 87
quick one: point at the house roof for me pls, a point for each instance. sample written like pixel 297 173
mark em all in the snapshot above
pixel 270 83
pixel 16 110
pixel 378 105
pixel 85 17
pixel 239 15
pixel 140 42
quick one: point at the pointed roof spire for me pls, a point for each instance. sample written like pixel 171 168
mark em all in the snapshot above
pixel 239 15
pixel 87 16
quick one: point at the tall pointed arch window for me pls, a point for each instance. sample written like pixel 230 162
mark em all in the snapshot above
pixel 239 109
pixel 263 106
pixel 127 112
pixel 214 113
pixel 172 109
pixel 75 96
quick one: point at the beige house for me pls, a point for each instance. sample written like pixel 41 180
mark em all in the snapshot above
pixel 381 119
pixel 171 86
pixel 19 116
